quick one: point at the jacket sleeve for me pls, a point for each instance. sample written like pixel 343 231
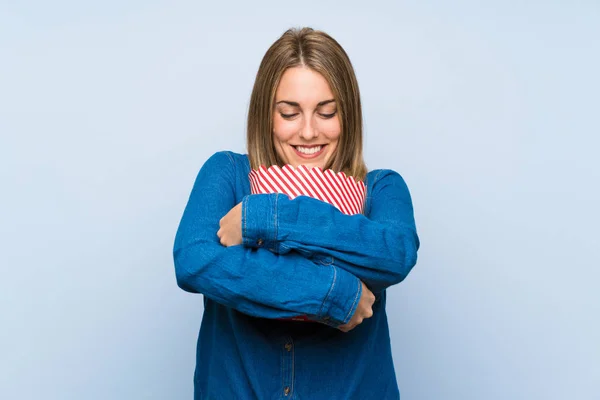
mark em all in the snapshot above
pixel 380 249
pixel 255 281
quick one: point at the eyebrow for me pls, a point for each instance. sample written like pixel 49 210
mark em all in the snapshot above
pixel 294 104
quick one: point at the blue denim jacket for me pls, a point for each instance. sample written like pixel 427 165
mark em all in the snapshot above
pixel 298 257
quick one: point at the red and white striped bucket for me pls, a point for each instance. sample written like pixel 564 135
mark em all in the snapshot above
pixel 342 191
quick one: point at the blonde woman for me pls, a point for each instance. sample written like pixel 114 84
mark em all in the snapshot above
pixel 261 258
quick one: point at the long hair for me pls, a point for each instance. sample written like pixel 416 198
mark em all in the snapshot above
pixel 321 53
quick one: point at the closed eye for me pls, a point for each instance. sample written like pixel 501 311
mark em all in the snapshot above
pixel 288 116
pixel 327 116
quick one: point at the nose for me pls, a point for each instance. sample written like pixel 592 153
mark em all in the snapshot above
pixel 308 130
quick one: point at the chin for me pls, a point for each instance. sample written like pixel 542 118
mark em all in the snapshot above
pixel 312 164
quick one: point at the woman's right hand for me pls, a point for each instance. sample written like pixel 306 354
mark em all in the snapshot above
pixel 363 310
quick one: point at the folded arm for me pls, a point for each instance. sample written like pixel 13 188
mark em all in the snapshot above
pixel 380 249
pixel 255 281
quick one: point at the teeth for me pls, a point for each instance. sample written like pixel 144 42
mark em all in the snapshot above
pixel 309 150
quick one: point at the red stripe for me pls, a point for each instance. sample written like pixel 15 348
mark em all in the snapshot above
pixel 305 173
pixel 294 176
pixel 253 181
pixel 265 183
pixel 360 188
pixel 346 184
pixel 349 184
pixel 353 185
pixel 349 195
pixel 336 186
pixel 273 181
pixel 275 175
pixel 292 188
pixel 363 189
pixel 317 174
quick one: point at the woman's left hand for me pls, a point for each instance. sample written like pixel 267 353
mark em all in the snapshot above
pixel 230 232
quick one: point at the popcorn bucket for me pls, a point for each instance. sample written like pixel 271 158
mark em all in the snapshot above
pixel 337 189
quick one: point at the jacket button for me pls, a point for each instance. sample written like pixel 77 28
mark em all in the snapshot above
pixel 286 391
pixel 259 242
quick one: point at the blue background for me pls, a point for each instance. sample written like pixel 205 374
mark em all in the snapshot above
pixel 490 111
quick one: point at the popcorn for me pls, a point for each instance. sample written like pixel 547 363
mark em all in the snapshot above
pixel 343 192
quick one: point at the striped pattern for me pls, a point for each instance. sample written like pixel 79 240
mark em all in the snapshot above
pixel 338 189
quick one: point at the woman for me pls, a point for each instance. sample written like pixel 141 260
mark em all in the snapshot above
pixel 258 259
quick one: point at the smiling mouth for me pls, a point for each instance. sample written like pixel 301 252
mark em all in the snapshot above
pixel 309 151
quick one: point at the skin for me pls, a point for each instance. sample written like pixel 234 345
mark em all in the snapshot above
pixel 305 115
pixel 363 311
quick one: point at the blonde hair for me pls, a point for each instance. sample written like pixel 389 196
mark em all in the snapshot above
pixel 318 51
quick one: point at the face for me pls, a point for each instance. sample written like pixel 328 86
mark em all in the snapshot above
pixel 306 124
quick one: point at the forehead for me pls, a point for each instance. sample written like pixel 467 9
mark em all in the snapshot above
pixel 304 86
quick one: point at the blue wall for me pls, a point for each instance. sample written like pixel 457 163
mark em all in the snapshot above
pixel 490 112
